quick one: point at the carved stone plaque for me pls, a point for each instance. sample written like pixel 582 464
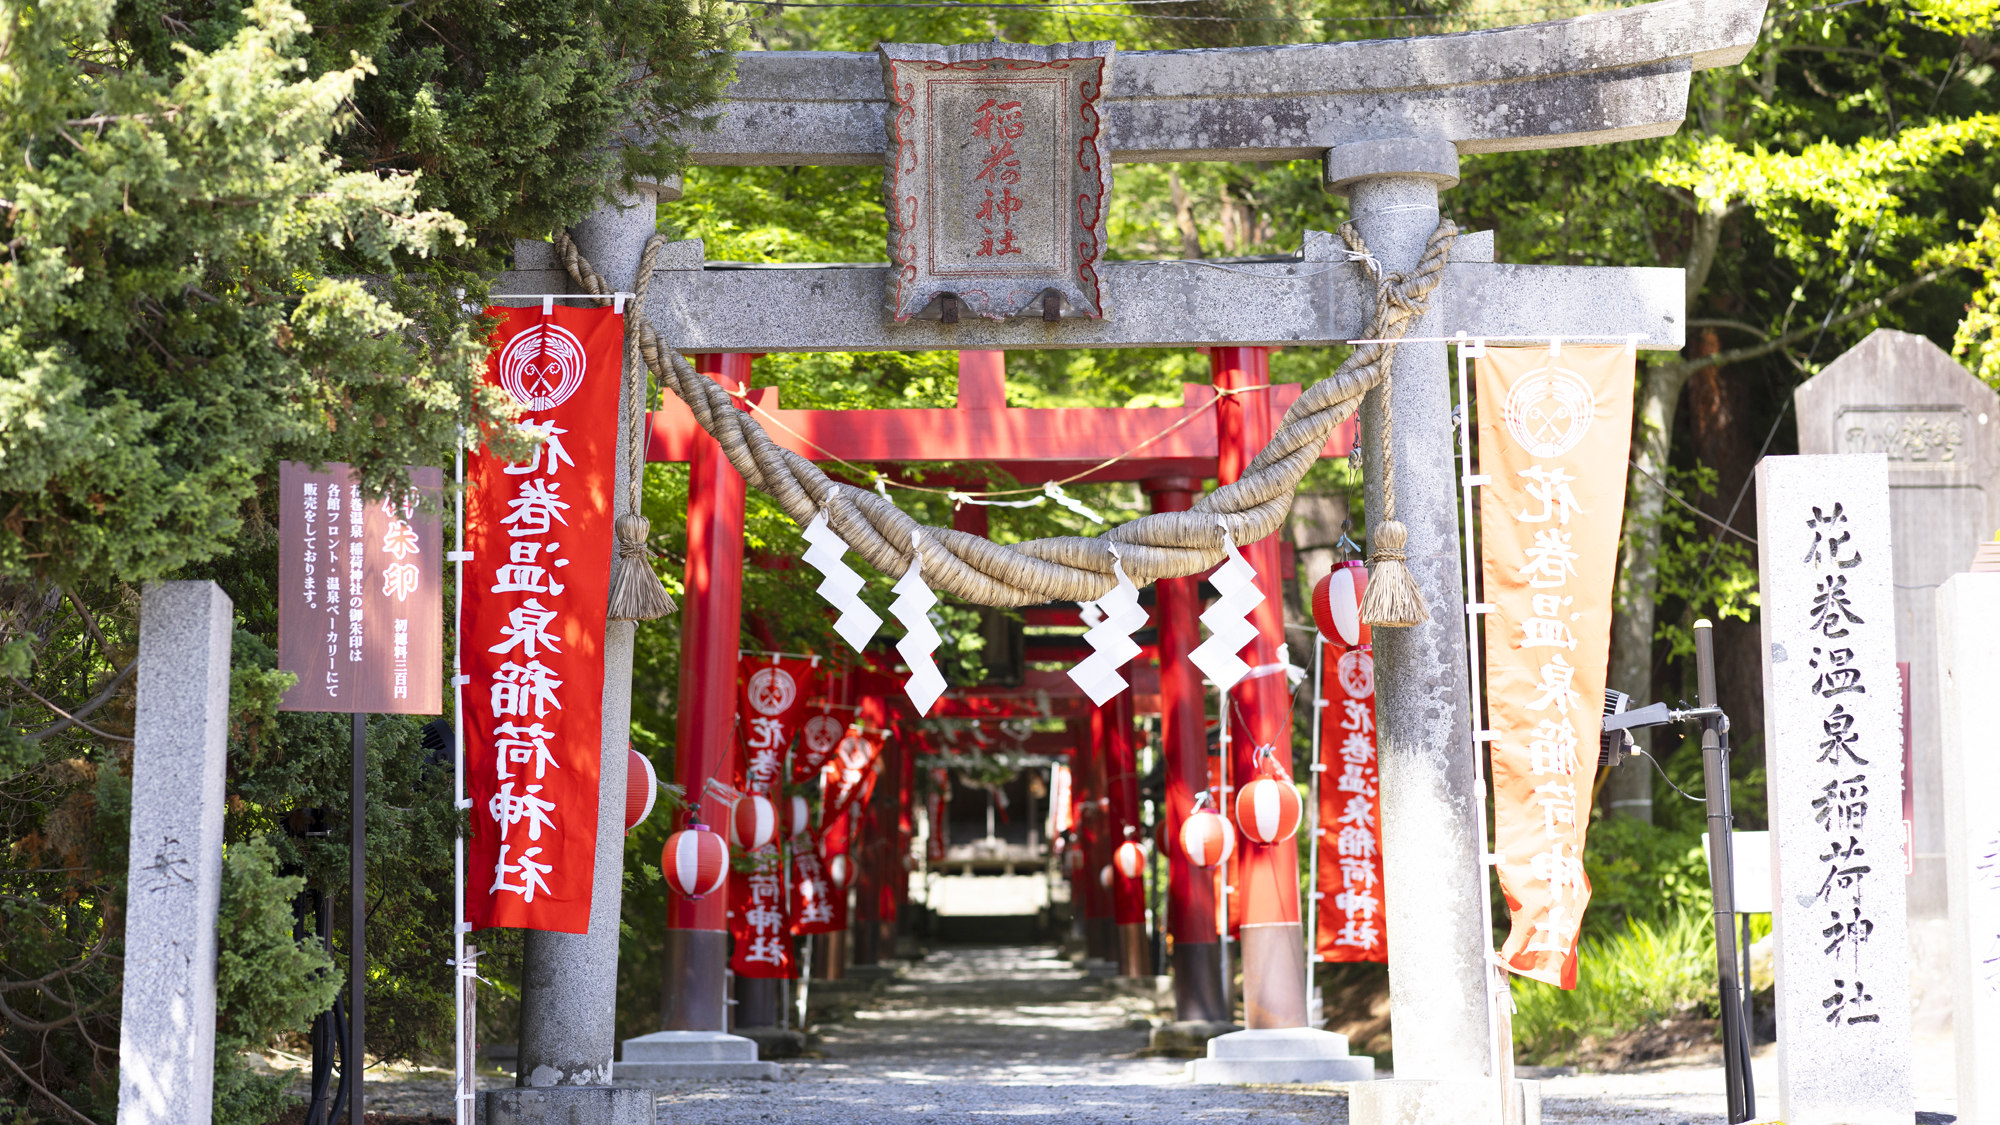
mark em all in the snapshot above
pixel 998 179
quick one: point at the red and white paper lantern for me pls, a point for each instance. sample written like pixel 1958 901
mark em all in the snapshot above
pixel 1337 604
pixel 642 788
pixel 1206 838
pixel 798 815
pixel 1104 875
pixel 753 821
pixel 1130 859
pixel 840 872
pixel 695 861
pixel 1268 810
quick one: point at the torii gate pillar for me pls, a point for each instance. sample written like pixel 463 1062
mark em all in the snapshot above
pixel 1439 936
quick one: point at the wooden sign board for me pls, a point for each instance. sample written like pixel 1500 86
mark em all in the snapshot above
pixel 999 179
pixel 360 593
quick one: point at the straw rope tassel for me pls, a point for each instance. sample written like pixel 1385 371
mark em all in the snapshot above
pixel 1069 568
pixel 637 594
pixel 1392 599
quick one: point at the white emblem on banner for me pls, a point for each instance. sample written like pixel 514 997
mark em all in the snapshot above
pixel 543 366
pixel 772 690
pixel 1549 410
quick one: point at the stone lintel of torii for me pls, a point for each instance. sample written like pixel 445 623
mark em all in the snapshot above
pixel 1389 118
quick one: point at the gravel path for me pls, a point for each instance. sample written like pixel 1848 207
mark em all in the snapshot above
pixel 971 1035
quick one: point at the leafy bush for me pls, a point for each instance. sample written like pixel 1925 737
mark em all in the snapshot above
pixel 1643 872
pixel 1646 972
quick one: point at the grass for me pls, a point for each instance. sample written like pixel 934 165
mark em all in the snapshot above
pixel 1646 972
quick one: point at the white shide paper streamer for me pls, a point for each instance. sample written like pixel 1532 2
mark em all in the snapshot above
pixel 857 623
pixel 912 607
pixel 1228 620
pixel 1111 618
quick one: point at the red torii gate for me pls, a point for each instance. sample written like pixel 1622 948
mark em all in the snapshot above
pixel 1232 420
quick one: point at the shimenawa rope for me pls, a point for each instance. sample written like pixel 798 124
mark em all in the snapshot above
pixel 1069 568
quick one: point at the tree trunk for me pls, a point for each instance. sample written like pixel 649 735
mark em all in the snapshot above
pixel 1629 790
pixel 1183 215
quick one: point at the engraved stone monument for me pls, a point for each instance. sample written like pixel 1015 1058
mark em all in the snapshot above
pixel 166 1039
pixel 998 179
pixel 1833 740
pixel 1901 397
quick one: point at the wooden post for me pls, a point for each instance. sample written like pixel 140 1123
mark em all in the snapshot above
pixel 1267 877
pixel 1184 742
pixel 711 615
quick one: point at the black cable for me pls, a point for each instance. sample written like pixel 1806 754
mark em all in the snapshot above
pixel 1664 777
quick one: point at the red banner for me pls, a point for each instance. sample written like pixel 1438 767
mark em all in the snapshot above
pixel 532 636
pixel 821 733
pixel 813 908
pixel 1554 434
pixel 763 944
pixel 771 694
pixel 1351 926
pixel 850 775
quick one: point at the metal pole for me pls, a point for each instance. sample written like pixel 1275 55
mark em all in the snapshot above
pixel 464 1019
pixel 1312 818
pixel 1722 880
pixel 357 917
pixel 1499 997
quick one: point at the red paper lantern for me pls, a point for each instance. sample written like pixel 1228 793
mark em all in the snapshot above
pixel 1268 810
pixel 1104 877
pixel 1206 838
pixel 1130 859
pixel 1337 604
pixel 753 821
pixel 798 815
pixel 642 788
pixel 840 872
pixel 695 861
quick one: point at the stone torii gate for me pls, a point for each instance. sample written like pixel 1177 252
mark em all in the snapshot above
pixel 1388 118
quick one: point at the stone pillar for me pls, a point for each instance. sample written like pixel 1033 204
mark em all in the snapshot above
pixel 1968 644
pixel 697 946
pixel 1833 741
pixel 1439 935
pixel 569 982
pixel 1184 742
pixel 166 1040
pixel 1267 878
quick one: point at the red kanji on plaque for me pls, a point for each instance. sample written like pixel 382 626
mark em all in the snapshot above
pixel 1351 926
pixel 532 635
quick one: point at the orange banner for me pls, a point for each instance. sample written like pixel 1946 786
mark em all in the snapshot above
pixel 1351 927
pixel 1554 434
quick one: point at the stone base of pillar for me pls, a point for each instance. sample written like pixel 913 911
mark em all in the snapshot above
pixel 1274 976
pixel 690 1054
pixel 1417 1101
pixel 1185 1039
pixel 1283 1054
pixel 1198 983
pixel 567 1105
pixel 775 1042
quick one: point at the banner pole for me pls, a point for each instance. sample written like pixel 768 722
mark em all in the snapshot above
pixel 463 1035
pixel 1222 869
pixel 1499 994
pixel 1312 819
